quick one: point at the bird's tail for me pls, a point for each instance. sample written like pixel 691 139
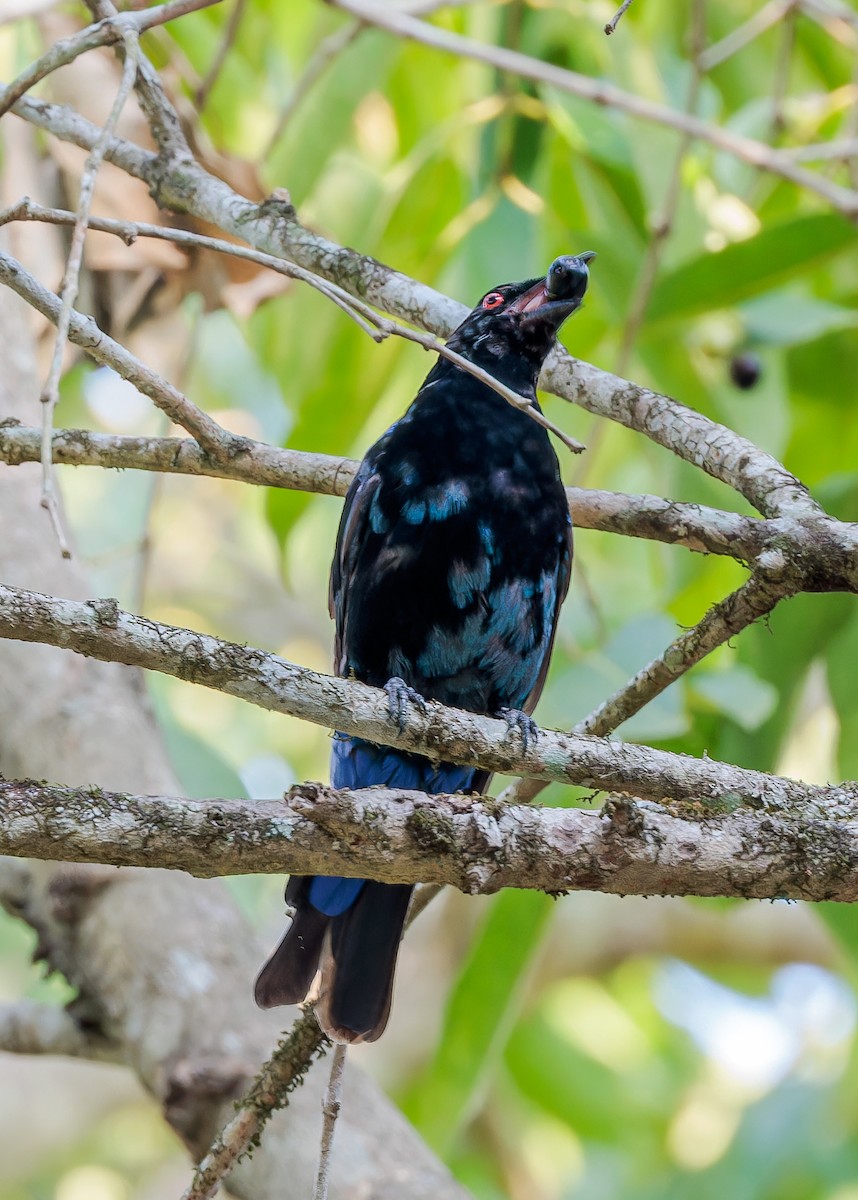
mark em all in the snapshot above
pixel 350 929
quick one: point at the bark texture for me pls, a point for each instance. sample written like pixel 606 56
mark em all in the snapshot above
pixel 478 846
pixel 163 962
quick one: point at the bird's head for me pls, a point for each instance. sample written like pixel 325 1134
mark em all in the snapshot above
pixel 513 327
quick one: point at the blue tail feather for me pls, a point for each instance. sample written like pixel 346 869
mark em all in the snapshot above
pixel 356 763
pixel 349 929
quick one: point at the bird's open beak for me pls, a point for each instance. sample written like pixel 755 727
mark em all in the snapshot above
pixel 560 293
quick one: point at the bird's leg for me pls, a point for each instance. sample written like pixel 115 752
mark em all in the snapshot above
pixel 516 718
pixel 399 696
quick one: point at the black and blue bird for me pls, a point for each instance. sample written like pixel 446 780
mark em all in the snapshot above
pixel 452 559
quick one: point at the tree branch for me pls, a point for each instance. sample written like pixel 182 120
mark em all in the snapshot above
pixel 99 629
pixel 27 1027
pixel 476 845
pixel 756 154
pixel 273 227
pixel 84 332
pixel 694 526
pixel 104 33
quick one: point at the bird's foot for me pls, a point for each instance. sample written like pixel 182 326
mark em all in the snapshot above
pixel 399 696
pixel 516 718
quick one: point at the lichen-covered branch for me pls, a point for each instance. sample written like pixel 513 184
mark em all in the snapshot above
pixel 270 1091
pixel 99 629
pixel 478 845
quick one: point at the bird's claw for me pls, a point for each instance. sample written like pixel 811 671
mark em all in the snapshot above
pixel 516 718
pixel 399 696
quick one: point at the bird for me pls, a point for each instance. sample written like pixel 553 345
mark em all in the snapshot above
pixel 453 557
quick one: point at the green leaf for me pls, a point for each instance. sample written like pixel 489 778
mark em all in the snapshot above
pixel 483 1006
pixel 738 693
pixel 791 316
pixel 748 268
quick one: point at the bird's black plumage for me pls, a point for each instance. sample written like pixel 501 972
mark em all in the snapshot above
pixel 452 560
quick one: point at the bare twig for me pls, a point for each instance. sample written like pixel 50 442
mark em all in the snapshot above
pixel 327 51
pixel 51 392
pixel 757 154
pixel 780 83
pixel 694 526
pixel 770 14
pixel 687 433
pixel 850 129
pixel 330 1112
pixel 230 34
pixel 845 148
pixel 753 600
pixel 616 18
pixel 378 327
pixel 663 225
pixel 84 332
pixel 104 33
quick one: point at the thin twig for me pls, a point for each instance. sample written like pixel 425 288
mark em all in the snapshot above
pixel 269 1092
pixel 51 392
pixel 663 226
pixel 330 1111
pixel 757 154
pixel 829 13
pixel 845 148
pixel 615 19
pixel 770 14
pixel 227 41
pixel 84 332
pixel 376 326
pixel 695 526
pixel 783 63
pixel 329 49
pixel 103 33
pixel 850 128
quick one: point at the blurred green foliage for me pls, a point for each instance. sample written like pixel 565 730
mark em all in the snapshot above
pixel 540 1071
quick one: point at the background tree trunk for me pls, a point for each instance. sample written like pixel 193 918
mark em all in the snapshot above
pixel 163 963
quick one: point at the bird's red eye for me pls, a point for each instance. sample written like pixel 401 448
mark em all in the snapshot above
pixel 493 300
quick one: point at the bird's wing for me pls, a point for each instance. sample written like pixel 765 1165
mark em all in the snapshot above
pixel 562 580
pixel 355 528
